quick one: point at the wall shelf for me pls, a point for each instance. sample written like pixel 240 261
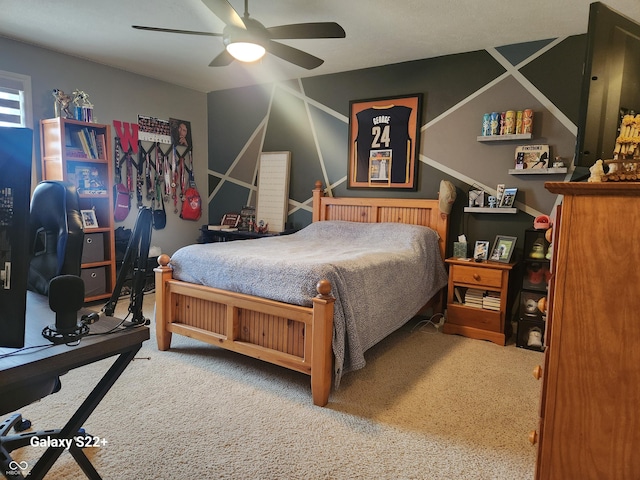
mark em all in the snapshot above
pixel 538 171
pixel 502 138
pixel 490 210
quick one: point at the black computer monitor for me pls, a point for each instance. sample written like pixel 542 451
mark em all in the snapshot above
pixel 15 190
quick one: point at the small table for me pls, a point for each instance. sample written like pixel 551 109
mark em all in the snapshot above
pixel 18 372
pixel 478 299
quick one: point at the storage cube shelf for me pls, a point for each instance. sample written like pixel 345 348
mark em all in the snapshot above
pixel 532 314
pixel 531 334
pixel 80 153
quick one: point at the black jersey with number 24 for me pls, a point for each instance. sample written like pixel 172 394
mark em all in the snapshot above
pixel 384 128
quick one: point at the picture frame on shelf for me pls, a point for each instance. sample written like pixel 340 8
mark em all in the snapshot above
pixel 481 250
pixel 89 219
pixel 532 157
pixel 379 158
pixel 230 220
pixel 476 198
pixel 88 180
pixel 508 198
pixel 499 193
pixel 503 248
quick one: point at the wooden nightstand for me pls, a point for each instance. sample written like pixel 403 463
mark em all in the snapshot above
pixel 478 300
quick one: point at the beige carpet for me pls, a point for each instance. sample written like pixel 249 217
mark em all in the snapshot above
pixel 426 406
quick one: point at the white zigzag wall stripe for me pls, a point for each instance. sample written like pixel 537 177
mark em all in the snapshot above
pixel 225 177
pixel 511 71
pixel 515 72
pixel 325 177
pixel 294 205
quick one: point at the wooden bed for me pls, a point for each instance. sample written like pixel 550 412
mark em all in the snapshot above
pixel 295 337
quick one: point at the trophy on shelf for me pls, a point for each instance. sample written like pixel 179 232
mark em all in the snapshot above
pixel 62 103
pixel 83 108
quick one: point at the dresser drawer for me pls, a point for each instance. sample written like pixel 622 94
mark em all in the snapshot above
pixel 484 277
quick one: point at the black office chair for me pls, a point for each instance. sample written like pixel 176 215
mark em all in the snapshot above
pixel 57 239
pixel 56 234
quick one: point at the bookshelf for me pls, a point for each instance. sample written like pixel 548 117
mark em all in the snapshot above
pixel 80 153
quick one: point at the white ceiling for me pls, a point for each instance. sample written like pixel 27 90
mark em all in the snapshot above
pixel 379 32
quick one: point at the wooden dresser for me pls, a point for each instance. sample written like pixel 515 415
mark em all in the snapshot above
pixel 590 405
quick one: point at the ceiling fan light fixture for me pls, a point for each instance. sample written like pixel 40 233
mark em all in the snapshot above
pixel 246 51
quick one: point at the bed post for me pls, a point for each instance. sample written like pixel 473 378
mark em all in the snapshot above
pixel 321 350
pixel 163 274
pixel 318 193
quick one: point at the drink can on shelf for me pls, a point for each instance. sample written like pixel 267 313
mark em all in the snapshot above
pixel 510 122
pixel 519 121
pixel 503 122
pixel 527 121
pixel 486 124
pixel 495 123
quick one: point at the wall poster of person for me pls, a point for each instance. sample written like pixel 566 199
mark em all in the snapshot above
pixel 383 142
pixel 180 132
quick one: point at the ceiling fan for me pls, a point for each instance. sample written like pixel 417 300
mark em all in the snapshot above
pixel 246 33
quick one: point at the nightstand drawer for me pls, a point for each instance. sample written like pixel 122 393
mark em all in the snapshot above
pixel 485 277
pixel 474 317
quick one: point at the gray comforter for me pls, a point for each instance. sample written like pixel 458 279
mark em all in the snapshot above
pixel 380 273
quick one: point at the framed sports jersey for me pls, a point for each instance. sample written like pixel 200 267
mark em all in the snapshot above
pixel 383 142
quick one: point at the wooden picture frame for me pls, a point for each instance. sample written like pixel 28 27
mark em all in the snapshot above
pixel 89 219
pixel 503 248
pixel 384 137
pixel 481 250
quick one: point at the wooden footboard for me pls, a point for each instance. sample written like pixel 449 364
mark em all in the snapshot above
pixel 298 338
pixel 295 337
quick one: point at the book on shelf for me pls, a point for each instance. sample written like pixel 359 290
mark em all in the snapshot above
pixel 101 146
pixel 89 143
pixel 458 295
pixel 473 297
pixel 491 301
pixel 84 144
pixel 491 306
pixel 73 152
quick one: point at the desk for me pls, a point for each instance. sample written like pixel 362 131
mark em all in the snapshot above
pixel 19 371
pixel 211 236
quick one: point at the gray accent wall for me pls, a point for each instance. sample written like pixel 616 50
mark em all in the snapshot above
pixel 310 117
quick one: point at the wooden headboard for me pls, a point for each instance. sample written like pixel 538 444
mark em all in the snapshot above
pixel 414 211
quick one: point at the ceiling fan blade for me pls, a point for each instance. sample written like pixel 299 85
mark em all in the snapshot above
pixel 171 30
pixel 293 55
pixel 307 30
pixel 225 12
pixel 222 60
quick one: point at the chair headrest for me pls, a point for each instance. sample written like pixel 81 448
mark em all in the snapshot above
pixel 56 233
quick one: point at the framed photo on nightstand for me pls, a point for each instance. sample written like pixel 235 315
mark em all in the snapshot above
pixel 481 251
pixel 503 248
